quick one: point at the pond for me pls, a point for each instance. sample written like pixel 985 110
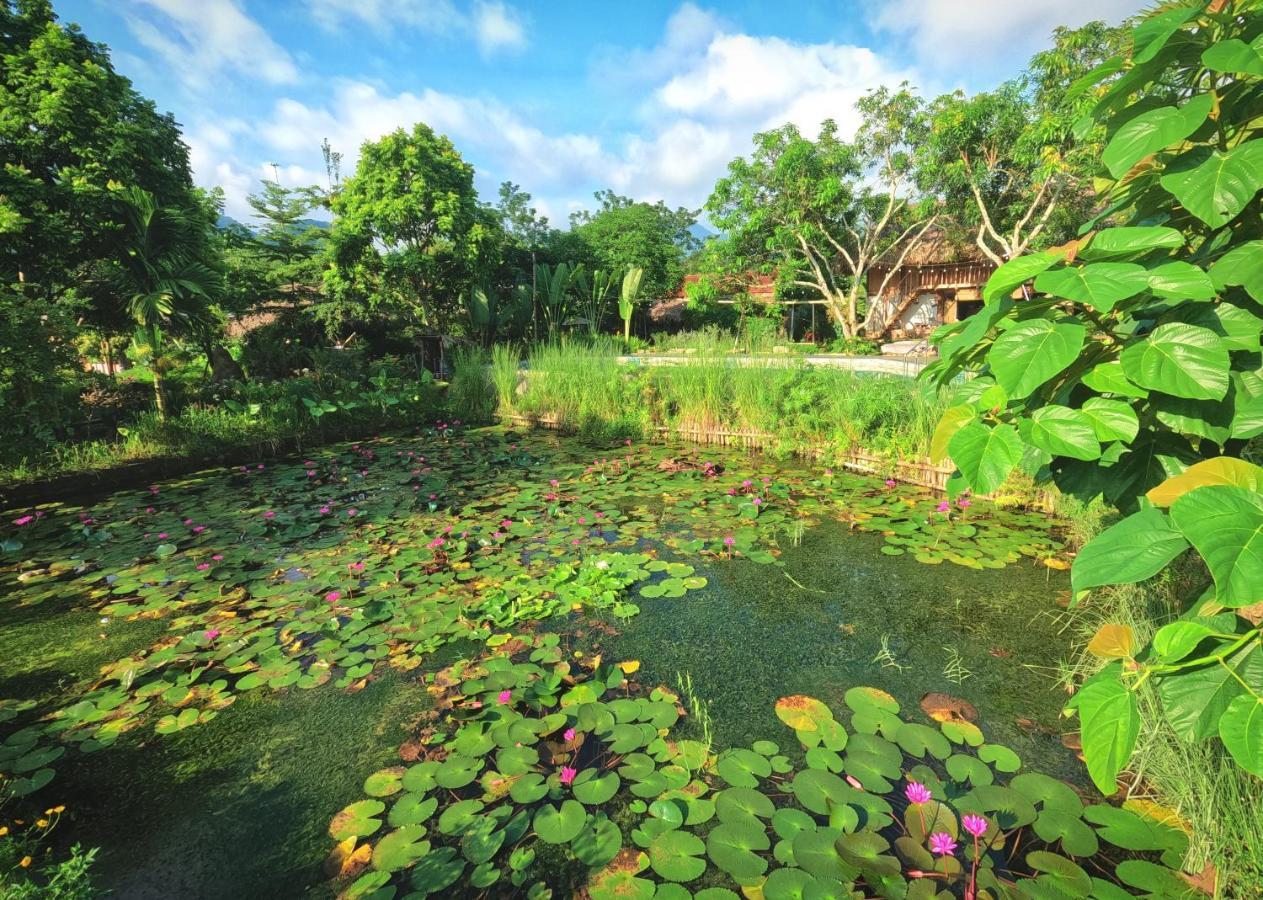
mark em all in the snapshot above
pixel 205 672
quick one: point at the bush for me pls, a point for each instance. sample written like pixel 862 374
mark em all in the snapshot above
pixel 854 346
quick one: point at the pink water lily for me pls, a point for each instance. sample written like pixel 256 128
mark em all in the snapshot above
pixel 270 514
pixel 504 697
pixel 211 634
pixel 942 843
pixel 975 825
pixel 333 596
pixel 918 793
pixel 568 774
pixel 944 506
pixel 729 541
pixel 324 510
pixel 963 503
pixel 202 567
pixel 890 482
pixel 568 735
pixel 24 520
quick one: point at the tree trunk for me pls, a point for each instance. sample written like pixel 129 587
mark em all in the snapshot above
pixel 159 394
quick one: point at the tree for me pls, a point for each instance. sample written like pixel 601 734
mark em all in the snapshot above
pixel 165 274
pixel 624 232
pixel 1007 161
pixel 70 129
pixel 822 213
pixel 406 231
pixel 292 241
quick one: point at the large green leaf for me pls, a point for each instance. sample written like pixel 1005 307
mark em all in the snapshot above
pixel 1180 360
pixel 1179 280
pixel 1112 420
pixel 985 455
pixel 1109 723
pixel 1027 355
pixel 1062 432
pixel 1013 274
pixel 1242 265
pixel 1154 30
pixel 1216 185
pixel 1194 699
pixel 1127 240
pixel 1241 730
pixel 1098 285
pixel 1152 131
pixel 1225 525
pixel 1138 547
pixel 1233 56
pixel 1108 378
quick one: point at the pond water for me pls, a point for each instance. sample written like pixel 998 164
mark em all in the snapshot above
pixel 224 658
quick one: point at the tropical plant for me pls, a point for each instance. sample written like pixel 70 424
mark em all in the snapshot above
pixel 594 295
pixel 624 232
pixel 554 285
pixel 1132 371
pixel 165 276
pixel 629 294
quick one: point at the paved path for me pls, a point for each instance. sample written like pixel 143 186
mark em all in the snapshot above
pixel 885 365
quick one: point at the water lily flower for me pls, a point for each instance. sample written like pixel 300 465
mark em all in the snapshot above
pixel 270 514
pixel 568 774
pixel 24 520
pixel 729 541
pixel 975 825
pixel 436 543
pixel 355 566
pixel 582 520
pixel 324 510
pixel 211 634
pixel 944 506
pixel 505 523
pixel 198 529
pixel 963 503
pixel 162 535
pixel 568 735
pixel 202 566
pixel 504 697
pixel 217 557
pixel 333 596
pixel 757 501
pixel 746 483
pixel 188 521
pixel 942 843
pixel 890 482
pixel 352 512
pixel 602 563
pixel 311 473
pixel 854 782
pixel 553 482
pixel 918 793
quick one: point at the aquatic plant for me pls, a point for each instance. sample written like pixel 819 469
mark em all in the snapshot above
pixel 490 800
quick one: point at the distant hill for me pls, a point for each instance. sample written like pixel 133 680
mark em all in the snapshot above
pixel 225 222
pixel 700 231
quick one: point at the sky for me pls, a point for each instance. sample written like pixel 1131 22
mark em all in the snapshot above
pixel 562 97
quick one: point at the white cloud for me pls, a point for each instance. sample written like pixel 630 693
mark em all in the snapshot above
pixel 959 33
pixel 498 27
pixel 200 40
pixel 687 34
pixel 493 25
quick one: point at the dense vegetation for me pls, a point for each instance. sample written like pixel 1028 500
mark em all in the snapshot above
pixel 1116 363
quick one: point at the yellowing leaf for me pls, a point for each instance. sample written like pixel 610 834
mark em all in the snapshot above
pixel 1163 815
pixel 1053 562
pixel 1113 642
pixel 1220 470
pixel 630 666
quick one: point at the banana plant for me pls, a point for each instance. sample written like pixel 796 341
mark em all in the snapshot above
pixel 594 295
pixel 483 308
pixel 628 297
pixel 555 284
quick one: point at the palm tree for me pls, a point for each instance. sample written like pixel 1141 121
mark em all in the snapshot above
pixel 164 274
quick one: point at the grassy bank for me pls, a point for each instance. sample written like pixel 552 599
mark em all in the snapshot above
pixel 790 405
pixel 245 419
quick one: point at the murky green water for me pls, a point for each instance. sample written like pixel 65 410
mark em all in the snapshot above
pixel 239 806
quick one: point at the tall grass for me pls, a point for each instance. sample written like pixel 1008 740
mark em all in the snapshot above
pixel 786 404
pixel 470 392
pixel 1216 798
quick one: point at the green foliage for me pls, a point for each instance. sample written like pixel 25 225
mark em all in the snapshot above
pixel 628 295
pixel 624 233
pixel 1006 161
pixel 407 232
pixel 820 213
pixel 1134 373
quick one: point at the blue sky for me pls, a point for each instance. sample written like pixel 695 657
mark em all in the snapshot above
pixel 650 98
